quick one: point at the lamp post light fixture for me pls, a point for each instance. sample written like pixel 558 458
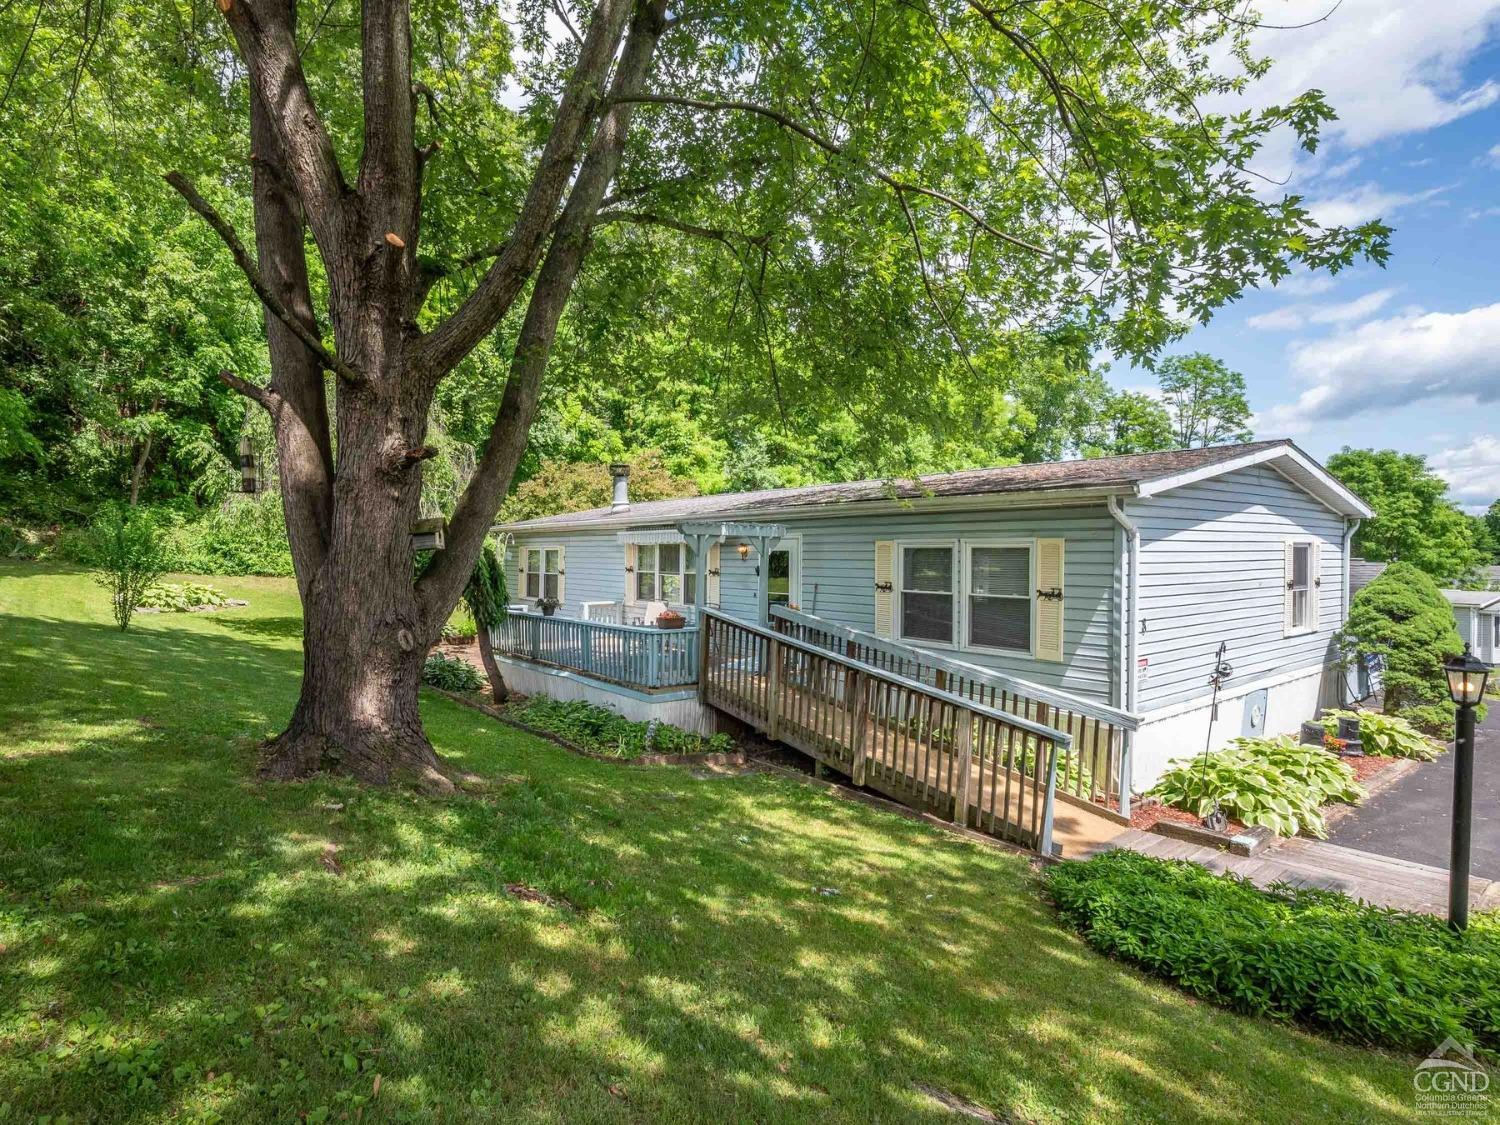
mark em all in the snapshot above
pixel 1467 675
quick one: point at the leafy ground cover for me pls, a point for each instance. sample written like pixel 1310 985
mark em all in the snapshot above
pixel 571 941
pixel 601 731
pixel 1365 973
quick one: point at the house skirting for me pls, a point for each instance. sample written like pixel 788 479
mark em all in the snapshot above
pixel 680 706
pixel 1282 704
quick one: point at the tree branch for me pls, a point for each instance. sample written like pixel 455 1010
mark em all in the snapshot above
pixel 477 316
pixel 252 274
pixel 646 218
pixel 265 396
pixel 794 126
pixel 265 31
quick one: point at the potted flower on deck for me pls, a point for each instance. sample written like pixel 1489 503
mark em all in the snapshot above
pixel 548 606
pixel 670 619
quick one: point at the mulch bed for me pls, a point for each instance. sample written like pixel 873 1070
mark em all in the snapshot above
pixel 1368 766
pixel 1144 817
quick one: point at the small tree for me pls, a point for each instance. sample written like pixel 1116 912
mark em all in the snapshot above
pixel 486 597
pixel 1206 400
pixel 131 557
pixel 1403 616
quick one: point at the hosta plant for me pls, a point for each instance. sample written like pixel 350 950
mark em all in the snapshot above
pixel 1273 782
pixel 1389 736
pixel 182 596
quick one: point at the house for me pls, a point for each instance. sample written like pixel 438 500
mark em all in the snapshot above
pixel 1072 593
pixel 1477 615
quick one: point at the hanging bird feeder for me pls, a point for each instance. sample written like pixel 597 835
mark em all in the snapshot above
pixel 249 475
pixel 427 534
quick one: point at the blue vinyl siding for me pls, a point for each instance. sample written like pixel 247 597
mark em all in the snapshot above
pixel 838 578
pixel 1213 568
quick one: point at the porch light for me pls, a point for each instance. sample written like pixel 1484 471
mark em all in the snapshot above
pixel 744 551
pixel 1467 675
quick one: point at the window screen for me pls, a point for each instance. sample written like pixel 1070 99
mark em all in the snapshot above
pixel 1000 597
pixel 927 593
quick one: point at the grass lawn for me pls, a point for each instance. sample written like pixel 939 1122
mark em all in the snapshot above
pixel 179 941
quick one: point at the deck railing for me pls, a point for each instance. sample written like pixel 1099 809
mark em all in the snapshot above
pixel 1096 767
pixel 981 766
pixel 634 655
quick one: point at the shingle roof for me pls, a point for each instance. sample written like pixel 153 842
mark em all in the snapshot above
pixel 1098 474
pixel 1362 572
pixel 1475 599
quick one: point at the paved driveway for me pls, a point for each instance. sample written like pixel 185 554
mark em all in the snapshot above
pixel 1413 818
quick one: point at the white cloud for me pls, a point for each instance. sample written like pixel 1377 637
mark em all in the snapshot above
pixel 1290 317
pixel 1389 67
pixel 1390 363
pixel 1306 284
pixel 1368 201
pixel 1492 157
pixel 1472 471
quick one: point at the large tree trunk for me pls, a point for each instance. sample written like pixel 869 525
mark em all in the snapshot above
pixel 498 691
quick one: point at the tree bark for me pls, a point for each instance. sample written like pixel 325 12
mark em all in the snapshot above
pixel 498 691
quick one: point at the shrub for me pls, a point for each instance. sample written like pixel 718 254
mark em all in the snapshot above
pixel 1403 616
pixel 1361 972
pixel 247 535
pixel 460 625
pixel 1273 782
pixel 1389 736
pixel 601 731
pixel 180 597
pixel 131 556
pixel 450 674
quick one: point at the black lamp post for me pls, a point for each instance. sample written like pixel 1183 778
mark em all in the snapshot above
pixel 1466 679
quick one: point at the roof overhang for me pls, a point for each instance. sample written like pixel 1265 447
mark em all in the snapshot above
pixel 1287 460
pixel 1459 599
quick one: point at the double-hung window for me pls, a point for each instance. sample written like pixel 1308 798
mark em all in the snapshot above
pixel 999 596
pixel 666 572
pixel 928 592
pixel 1299 585
pixel 542 567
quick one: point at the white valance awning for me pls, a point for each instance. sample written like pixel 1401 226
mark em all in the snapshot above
pixel 731 529
pixel 646 536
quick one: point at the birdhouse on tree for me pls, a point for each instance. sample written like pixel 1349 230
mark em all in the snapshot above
pixel 427 534
pixel 249 475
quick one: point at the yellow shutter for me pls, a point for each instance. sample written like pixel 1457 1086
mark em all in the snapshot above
pixel 632 557
pixel 885 591
pixel 521 556
pixel 711 577
pixel 1049 611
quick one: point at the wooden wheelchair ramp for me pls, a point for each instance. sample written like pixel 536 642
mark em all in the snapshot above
pixel 960 759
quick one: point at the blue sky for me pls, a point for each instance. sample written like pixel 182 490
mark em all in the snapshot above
pixel 1406 357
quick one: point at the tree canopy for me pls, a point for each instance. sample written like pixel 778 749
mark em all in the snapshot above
pixel 1415 521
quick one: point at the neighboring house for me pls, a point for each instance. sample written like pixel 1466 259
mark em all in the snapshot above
pixel 1477 615
pixel 1097 589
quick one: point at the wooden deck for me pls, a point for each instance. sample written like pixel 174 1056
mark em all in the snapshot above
pixel 1300 862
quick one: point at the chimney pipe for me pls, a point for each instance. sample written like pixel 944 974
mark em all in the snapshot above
pixel 621 474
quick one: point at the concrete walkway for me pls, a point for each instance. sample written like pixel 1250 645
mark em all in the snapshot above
pixel 1412 818
pixel 1376 879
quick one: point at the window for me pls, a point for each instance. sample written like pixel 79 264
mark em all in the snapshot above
pixel 1496 620
pixel 784 576
pixel 1299 586
pixel 666 572
pixel 542 565
pixel 927 593
pixel 999 597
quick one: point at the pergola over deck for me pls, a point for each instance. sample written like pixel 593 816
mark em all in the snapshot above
pixel 764 536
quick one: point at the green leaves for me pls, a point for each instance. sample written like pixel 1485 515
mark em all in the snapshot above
pixel 1273 782
pixel 1387 735
pixel 1316 957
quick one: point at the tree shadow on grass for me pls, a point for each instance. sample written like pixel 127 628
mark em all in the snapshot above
pixel 281 627
pixel 271 948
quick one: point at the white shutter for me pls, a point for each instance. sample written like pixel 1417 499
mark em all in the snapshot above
pixel 562 574
pixel 1315 584
pixel 711 577
pixel 1049 611
pixel 632 561
pixel 1287 619
pixel 885 592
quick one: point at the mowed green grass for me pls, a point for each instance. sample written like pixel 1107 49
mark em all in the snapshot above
pixel 173 944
